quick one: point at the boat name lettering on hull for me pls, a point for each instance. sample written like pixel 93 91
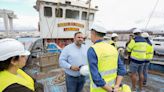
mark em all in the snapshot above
pixel 71 29
pixel 70 24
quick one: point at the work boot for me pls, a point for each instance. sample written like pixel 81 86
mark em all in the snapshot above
pixel 144 84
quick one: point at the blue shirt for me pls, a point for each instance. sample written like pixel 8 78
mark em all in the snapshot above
pixel 93 62
pixel 148 41
pixel 73 55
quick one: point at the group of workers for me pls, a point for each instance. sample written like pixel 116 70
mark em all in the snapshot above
pixel 141 52
pixel 106 68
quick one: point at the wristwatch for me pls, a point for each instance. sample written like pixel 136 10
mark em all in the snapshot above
pixel 112 90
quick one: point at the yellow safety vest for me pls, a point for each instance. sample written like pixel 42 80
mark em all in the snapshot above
pixel 7 79
pixel 149 52
pixel 112 42
pixel 107 65
pixel 137 49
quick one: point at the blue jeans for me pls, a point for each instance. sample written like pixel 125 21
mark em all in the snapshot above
pixel 145 71
pixel 134 68
pixel 74 84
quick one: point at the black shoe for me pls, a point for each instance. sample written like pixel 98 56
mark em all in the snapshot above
pixel 144 84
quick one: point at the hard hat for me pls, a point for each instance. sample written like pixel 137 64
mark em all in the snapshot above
pixel 84 70
pixel 114 35
pixel 136 30
pixel 11 47
pixel 125 88
pixel 145 35
pixel 98 27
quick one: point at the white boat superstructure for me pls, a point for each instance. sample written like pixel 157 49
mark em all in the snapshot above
pixel 158 43
pixel 62 18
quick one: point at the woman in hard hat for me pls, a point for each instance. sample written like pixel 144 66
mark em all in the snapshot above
pixel 12 58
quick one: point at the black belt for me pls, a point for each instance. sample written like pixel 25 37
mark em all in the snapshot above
pixel 75 76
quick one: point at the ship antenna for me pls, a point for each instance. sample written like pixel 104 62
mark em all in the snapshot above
pixel 155 6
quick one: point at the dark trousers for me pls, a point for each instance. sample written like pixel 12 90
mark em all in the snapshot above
pixel 74 84
pixel 145 71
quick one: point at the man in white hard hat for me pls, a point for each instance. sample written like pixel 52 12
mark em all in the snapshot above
pixel 73 56
pixel 113 40
pixel 137 49
pixel 103 61
pixel 149 56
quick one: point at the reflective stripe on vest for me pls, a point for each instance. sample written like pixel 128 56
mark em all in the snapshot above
pixel 107 56
pixel 7 79
pixel 138 50
pixel 149 52
pixel 108 72
pixel 111 83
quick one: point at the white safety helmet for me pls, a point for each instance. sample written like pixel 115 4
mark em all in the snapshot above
pixel 11 47
pixel 145 35
pixel 98 27
pixel 84 70
pixel 114 35
pixel 137 30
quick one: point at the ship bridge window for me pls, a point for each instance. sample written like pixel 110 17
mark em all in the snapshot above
pixel 48 11
pixel 84 16
pixel 91 16
pixel 73 14
pixel 59 12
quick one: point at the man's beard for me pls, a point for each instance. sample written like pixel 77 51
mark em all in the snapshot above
pixel 79 43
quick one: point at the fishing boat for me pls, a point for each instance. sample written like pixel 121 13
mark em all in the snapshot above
pixel 58 21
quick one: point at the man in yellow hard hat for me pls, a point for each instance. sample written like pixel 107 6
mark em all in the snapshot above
pixel 106 69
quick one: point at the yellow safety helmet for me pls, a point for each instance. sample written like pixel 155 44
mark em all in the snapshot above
pixel 124 88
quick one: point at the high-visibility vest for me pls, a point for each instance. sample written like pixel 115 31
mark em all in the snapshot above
pixel 107 56
pixel 111 42
pixel 137 49
pixel 7 79
pixel 149 52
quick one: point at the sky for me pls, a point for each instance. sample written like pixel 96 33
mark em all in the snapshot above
pixel 125 14
pixel 115 14
pixel 27 16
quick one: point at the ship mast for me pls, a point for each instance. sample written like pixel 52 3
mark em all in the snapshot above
pixel 89 3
